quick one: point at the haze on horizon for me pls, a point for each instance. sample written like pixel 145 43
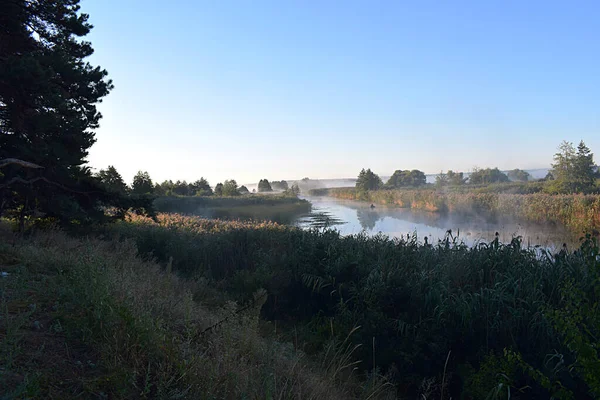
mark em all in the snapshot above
pixel 282 90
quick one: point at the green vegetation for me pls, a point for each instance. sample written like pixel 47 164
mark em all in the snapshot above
pixel 368 180
pixel 578 212
pixel 280 185
pixel 281 208
pixel 173 306
pixel 264 186
pixel 573 171
pixel 402 179
pixel 444 314
pixel 201 187
pixel 90 319
pixel 48 98
pixel 450 178
pixel 487 176
pixel 518 175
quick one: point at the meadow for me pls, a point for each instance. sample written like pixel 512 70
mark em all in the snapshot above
pixel 580 213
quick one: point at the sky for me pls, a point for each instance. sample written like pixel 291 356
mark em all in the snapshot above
pixel 253 89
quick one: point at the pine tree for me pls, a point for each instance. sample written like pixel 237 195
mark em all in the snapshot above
pixel 48 98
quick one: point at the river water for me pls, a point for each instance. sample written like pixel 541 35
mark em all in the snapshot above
pixel 352 217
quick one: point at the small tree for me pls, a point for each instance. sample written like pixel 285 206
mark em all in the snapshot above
pixel 518 175
pixel 181 188
pixel 456 178
pixel 218 189
pixel 487 176
pixel 243 190
pixel 142 184
pixel 201 188
pixel 280 185
pixel 112 180
pixel 573 170
pixel 264 186
pixel 230 188
pixel 368 180
pixel 406 178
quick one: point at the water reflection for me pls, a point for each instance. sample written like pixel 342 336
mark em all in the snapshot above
pixel 354 217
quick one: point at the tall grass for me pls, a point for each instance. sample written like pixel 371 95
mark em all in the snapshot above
pixel 277 208
pixel 414 303
pixel 578 212
pixel 90 319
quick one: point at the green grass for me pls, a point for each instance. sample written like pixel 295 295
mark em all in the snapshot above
pixel 413 304
pixel 89 319
pixel 442 321
pixel 277 208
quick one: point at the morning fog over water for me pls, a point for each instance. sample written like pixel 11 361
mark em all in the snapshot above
pixel 353 217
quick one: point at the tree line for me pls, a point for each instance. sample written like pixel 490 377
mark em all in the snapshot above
pixel 142 184
pixel 573 171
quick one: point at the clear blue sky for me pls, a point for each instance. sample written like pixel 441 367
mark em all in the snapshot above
pixel 287 89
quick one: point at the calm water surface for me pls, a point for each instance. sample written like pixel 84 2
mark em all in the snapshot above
pixel 352 217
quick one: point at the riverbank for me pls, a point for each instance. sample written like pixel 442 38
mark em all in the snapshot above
pixel 278 208
pixel 579 213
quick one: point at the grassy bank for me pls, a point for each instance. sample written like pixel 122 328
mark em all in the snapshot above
pixel 579 213
pixel 90 319
pixel 276 208
pixel 439 321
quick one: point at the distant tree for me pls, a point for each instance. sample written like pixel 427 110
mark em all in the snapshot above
pixel 164 189
pixel 218 189
pixel 487 176
pixel 279 185
pixel 230 188
pixel 519 175
pixel 264 186
pixel 142 184
pixel 573 170
pixel 406 178
pixel 368 180
pixel 441 179
pixel 201 188
pixel 295 189
pixel 456 178
pixel 243 190
pixel 181 188
pixel 112 180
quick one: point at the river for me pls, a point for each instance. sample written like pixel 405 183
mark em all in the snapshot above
pixel 352 217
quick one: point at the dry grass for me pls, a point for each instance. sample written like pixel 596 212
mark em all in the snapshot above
pixel 90 319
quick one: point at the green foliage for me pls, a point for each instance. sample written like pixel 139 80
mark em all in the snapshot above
pixel 406 178
pixel 487 176
pixel 264 186
pixel 450 178
pixel 418 302
pixel 112 180
pixel 142 184
pixel 519 175
pixel 218 189
pixel 201 187
pixel 230 188
pixel 279 185
pixel 573 171
pixel 90 319
pixel 368 180
pixel 243 190
pixel 48 114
